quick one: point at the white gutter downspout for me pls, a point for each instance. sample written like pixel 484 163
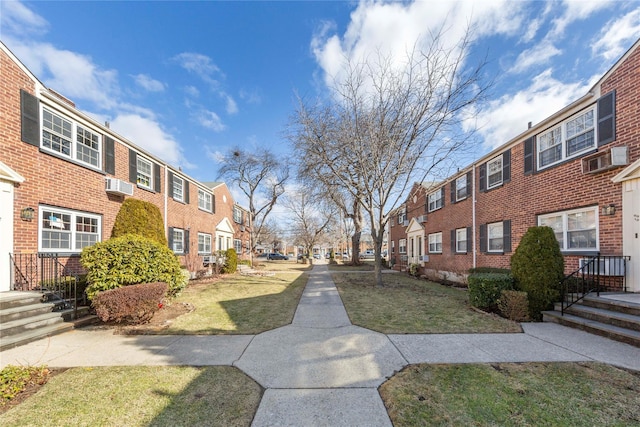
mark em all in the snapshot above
pixel 166 202
pixel 473 212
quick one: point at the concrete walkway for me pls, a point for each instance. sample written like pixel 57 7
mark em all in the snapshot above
pixel 321 369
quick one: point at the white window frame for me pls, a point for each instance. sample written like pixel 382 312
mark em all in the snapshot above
pixel 237 214
pixel 141 175
pixel 402 246
pixel 204 244
pixel 435 200
pixel 561 227
pixel 492 164
pixel 178 241
pixel 560 135
pixel 402 216
pixel 393 246
pixel 76 148
pixel 435 243
pixel 461 236
pixel 461 187
pixel 237 245
pixel 70 228
pixel 205 200
pixel 178 190
pixel 493 235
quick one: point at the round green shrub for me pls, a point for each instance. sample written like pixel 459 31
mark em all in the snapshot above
pixel 141 218
pixel 129 260
pixel 231 261
pixel 538 267
pixel 485 289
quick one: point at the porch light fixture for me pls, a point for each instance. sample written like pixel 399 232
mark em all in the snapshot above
pixel 26 214
pixel 609 210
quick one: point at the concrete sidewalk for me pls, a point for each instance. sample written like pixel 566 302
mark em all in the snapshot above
pixel 321 369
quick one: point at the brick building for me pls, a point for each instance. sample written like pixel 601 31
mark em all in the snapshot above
pixel 577 171
pixel 63 178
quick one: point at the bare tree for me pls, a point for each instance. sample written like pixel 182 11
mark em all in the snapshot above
pixel 261 176
pixel 388 126
pixel 311 217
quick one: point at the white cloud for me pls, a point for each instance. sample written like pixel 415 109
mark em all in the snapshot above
pixel 19 20
pixel 192 91
pixel 148 83
pixel 210 120
pixel 149 135
pixel 232 106
pixel 200 65
pixel 539 54
pixel 251 97
pixel 508 116
pixel 577 10
pixel 617 35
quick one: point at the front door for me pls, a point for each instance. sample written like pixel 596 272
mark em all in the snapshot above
pixel 6 233
pixel 631 231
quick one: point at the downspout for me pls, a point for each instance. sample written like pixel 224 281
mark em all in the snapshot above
pixel 166 203
pixel 473 212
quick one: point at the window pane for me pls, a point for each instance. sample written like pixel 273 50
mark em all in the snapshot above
pixel 461 188
pixel 177 188
pixel 461 240
pixel 144 173
pixel 495 232
pixel 88 146
pixel 582 220
pixel 555 222
pixel 494 172
pixel 550 147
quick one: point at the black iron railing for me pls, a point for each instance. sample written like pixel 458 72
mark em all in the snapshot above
pixel 600 273
pixel 43 272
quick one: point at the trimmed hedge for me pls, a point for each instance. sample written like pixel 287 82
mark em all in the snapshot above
pixel 230 261
pixel 514 305
pixel 132 304
pixel 141 218
pixel 485 289
pixel 129 260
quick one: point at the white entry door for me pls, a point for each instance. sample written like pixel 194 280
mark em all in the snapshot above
pixel 631 231
pixel 6 233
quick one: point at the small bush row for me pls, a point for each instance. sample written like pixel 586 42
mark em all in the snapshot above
pixel 133 304
pixel 485 289
pixel 15 379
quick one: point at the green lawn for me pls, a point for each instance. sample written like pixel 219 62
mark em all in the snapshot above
pixel 409 305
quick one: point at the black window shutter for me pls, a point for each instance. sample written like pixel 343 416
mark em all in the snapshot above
pixel 506 235
pixel 30 124
pixel 109 155
pixel 469 184
pixel 506 166
pixel 528 156
pixel 483 177
pixel 156 178
pixel 607 118
pixel 469 239
pixel 170 184
pixel 483 238
pixel 442 195
pixel 186 242
pixel 453 241
pixel 453 191
pixel 170 239
pixel 186 191
pixel 133 166
pixel 213 203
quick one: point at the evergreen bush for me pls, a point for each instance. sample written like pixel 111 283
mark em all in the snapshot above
pixel 514 305
pixel 129 260
pixel 131 304
pixel 141 218
pixel 485 289
pixel 231 261
pixel 537 266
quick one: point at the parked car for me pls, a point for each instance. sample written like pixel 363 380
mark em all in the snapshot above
pixel 316 256
pixel 276 256
pixel 262 255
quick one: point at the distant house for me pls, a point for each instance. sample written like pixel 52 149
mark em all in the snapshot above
pixel 577 171
pixel 63 178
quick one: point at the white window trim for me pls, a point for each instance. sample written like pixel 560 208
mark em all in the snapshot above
pixel 237 215
pixel 73 154
pixel 204 243
pixel 462 179
pixel 435 198
pixel 565 228
pixel 497 183
pixel 181 240
pixel 237 245
pixel 563 139
pixel 435 239
pixel 402 246
pixel 501 250
pixel 180 196
pixel 72 232
pixel 203 200
pixel 150 163
pixel 462 231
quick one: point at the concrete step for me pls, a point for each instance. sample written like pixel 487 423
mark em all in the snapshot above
pixel 31 335
pixel 609 331
pixel 613 305
pixel 24 311
pixel 603 315
pixel 18 326
pixel 14 299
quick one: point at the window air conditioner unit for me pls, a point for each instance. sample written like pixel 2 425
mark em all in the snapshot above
pixel 242 228
pixel 424 258
pixel 116 186
pixel 422 218
pixel 605 160
pixel 208 260
pixel 606 267
pixel 405 222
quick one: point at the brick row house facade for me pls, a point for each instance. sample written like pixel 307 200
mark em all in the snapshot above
pixel 63 178
pixel 578 171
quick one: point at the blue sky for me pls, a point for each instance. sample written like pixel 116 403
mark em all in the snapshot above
pixel 189 80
